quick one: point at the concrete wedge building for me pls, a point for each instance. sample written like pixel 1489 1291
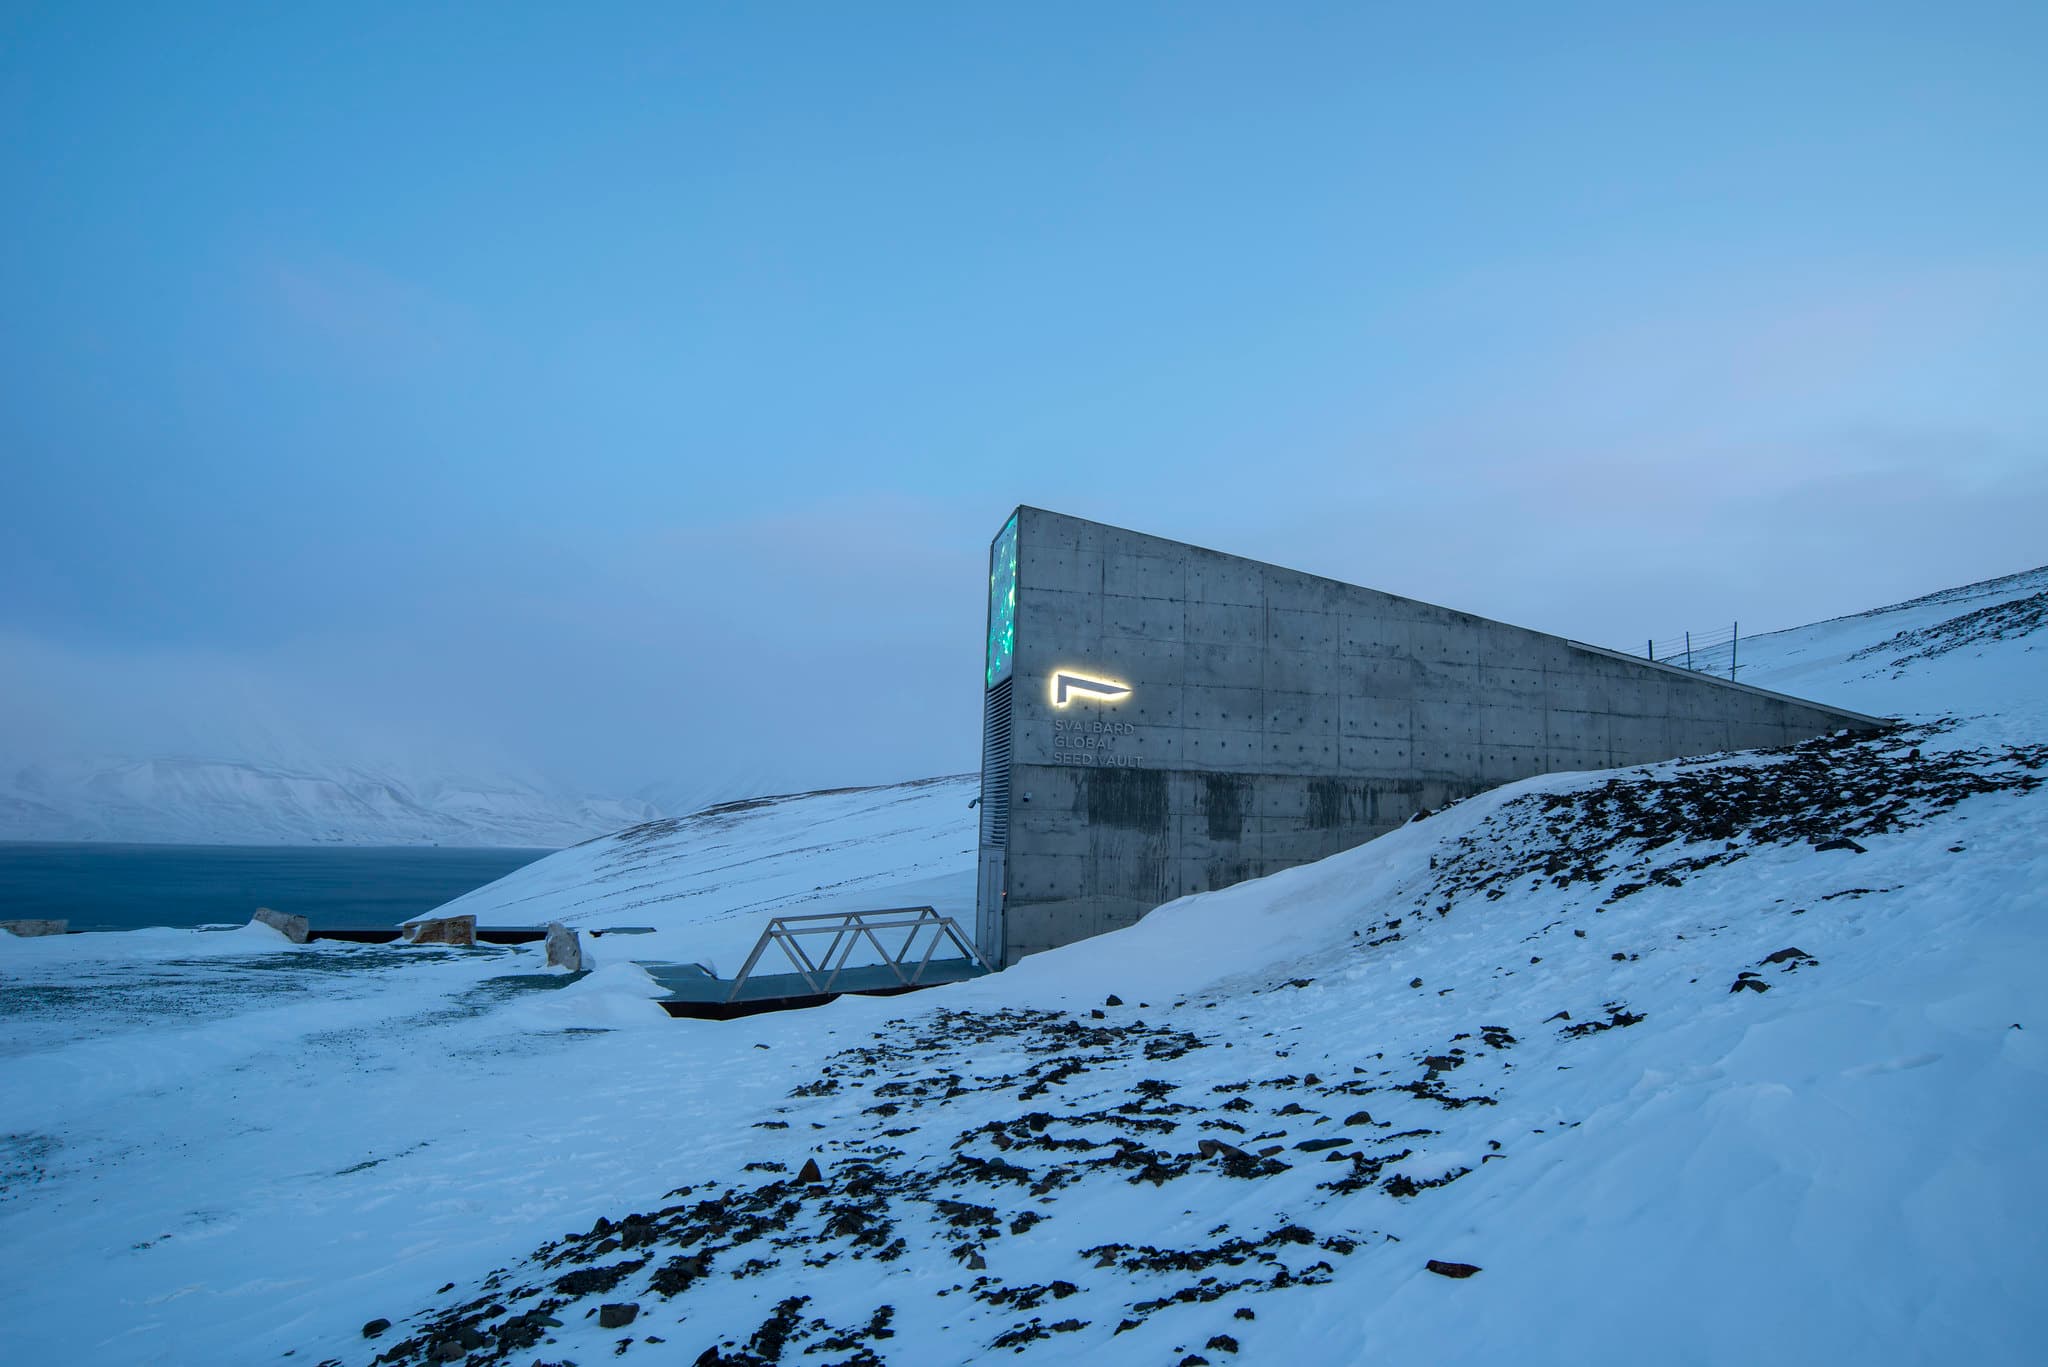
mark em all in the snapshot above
pixel 1161 719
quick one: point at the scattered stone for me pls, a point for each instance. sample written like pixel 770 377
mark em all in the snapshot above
pixel 564 949
pixel 440 930
pixel 1245 1312
pixel 1618 1015
pixel 1840 843
pixel 1222 1343
pixel 1415 982
pixel 590 1281
pixel 1359 1118
pixel 1792 955
pixel 617 1315
pixel 293 928
pixel 1114 1000
pixel 1750 982
pixel 375 1327
pixel 32 927
pixel 1444 1269
pixel 810 1175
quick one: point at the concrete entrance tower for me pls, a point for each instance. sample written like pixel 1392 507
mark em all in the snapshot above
pixel 1162 719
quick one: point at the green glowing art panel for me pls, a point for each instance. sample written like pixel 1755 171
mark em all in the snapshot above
pixel 1002 604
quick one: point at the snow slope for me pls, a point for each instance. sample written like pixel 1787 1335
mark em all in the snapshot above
pixel 183 800
pixel 1733 1058
pixel 706 882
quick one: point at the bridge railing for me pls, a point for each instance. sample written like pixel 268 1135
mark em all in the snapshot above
pixel 848 931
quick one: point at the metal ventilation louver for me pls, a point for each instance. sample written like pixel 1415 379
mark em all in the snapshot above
pixel 995 766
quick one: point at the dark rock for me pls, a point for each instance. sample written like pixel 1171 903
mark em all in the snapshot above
pixel 1359 1118
pixel 375 1327
pixel 617 1315
pixel 1617 1017
pixel 1788 955
pixel 1443 1269
pixel 1245 1312
pixel 1840 843
pixel 592 1281
pixel 1114 1000
pixel 674 1276
pixel 976 1263
pixel 1750 982
pixel 1415 982
pixel 1318 1145
pixel 1222 1343
pixel 809 1175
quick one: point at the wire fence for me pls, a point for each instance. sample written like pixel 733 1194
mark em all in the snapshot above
pixel 1710 652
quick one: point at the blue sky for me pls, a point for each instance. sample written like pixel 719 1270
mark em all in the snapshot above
pixel 495 382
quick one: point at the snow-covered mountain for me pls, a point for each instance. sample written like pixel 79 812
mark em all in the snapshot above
pixel 1736 1058
pixel 178 800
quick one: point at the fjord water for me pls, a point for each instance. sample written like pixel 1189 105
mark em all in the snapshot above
pixel 126 887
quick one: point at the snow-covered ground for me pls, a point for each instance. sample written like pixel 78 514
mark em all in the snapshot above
pixel 1718 1060
pixel 187 800
pixel 705 883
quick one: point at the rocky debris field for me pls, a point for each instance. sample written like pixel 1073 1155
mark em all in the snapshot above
pixel 2007 621
pixel 1660 825
pixel 961 1142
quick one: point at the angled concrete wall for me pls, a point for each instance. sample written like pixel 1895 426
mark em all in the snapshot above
pixel 1274 718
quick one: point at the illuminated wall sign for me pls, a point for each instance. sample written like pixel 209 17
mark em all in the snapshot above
pixel 1002 603
pixel 1068 686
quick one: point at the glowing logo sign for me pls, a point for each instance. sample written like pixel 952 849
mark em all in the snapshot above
pixel 1002 603
pixel 1068 686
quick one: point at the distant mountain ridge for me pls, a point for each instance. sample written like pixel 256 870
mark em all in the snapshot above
pixel 189 800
